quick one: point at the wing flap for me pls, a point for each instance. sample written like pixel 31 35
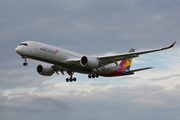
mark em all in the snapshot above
pixel 58 68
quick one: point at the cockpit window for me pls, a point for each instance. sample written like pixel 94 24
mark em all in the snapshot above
pixel 25 44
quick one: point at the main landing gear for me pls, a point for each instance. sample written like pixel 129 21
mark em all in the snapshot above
pixel 25 62
pixel 93 76
pixel 71 79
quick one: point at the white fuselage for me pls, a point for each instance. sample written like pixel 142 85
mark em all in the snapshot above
pixel 59 56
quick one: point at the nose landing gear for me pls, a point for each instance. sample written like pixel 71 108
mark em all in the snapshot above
pixel 25 62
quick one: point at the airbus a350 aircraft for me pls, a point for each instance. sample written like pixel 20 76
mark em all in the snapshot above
pixel 67 61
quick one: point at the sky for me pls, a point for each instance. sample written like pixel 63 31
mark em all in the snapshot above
pixel 91 27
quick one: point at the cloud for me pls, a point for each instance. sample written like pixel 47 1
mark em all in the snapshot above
pixel 136 102
pixel 99 84
pixel 25 78
pixel 165 77
pixel 99 22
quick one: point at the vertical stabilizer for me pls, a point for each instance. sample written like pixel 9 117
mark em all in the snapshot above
pixel 127 62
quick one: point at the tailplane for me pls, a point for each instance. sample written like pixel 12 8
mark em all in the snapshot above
pixel 135 70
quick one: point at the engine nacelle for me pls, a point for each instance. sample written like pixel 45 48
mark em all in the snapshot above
pixel 90 62
pixel 45 70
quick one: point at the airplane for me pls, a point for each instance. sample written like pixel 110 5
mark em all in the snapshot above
pixel 62 60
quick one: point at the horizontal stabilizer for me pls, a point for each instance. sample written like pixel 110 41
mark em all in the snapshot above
pixel 135 70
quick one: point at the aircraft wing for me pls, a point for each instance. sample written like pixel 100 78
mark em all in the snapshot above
pixel 104 60
pixel 113 58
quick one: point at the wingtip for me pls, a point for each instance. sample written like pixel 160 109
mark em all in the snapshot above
pixel 173 44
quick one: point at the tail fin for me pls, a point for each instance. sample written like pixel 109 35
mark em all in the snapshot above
pixel 127 63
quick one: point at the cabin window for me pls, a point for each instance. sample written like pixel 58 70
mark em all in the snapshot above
pixel 25 44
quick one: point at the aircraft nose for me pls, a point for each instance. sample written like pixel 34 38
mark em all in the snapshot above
pixel 19 50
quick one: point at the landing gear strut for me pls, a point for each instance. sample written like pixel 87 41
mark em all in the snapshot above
pixel 71 79
pixel 25 62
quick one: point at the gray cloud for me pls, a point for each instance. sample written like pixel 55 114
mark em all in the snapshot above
pixel 99 84
pixel 165 78
pixel 93 22
pixel 25 78
pixel 137 102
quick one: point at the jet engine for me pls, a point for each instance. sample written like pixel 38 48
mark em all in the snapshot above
pixel 45 70
pixel 90 62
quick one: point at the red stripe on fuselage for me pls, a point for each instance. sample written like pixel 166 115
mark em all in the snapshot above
pixel 119 71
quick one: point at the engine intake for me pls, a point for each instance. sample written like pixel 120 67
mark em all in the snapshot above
pixel 90 62
pixel 45 70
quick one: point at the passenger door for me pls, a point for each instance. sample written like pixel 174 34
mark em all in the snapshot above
pixel 35 46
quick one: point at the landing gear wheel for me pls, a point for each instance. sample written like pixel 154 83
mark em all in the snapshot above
pixel 74 79
pixel 93 75
pixel 25 63
pixel 71 79
pixel 67 80
pixel 89 76
pixel 97 75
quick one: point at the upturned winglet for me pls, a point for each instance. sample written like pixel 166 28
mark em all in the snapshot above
pixel 169 46
pixel 172 44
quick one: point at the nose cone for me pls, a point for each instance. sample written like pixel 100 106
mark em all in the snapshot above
pixel 19 50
